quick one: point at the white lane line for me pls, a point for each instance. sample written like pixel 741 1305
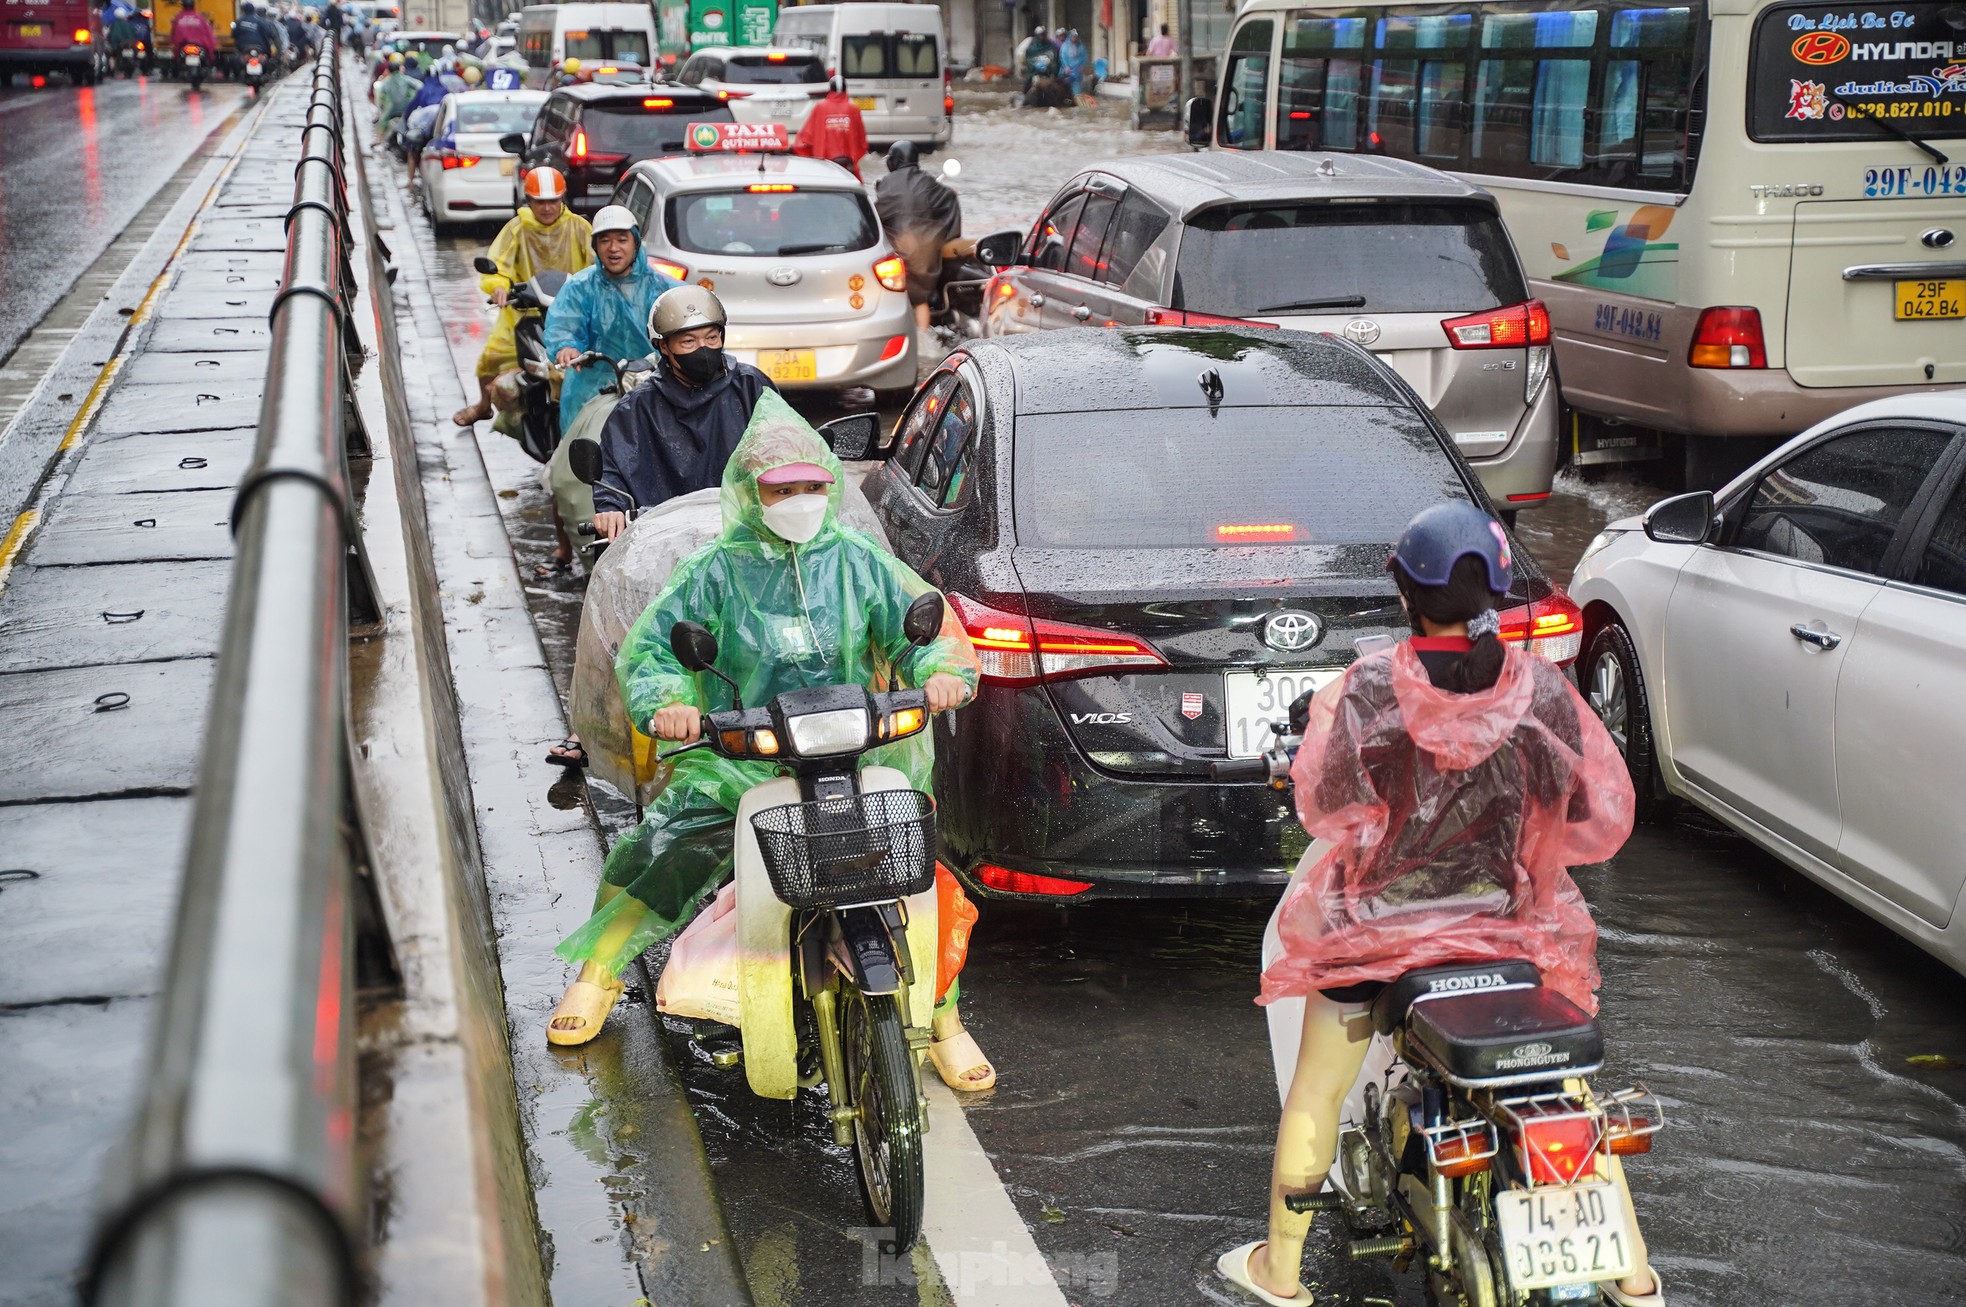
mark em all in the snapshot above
pixel 981 1245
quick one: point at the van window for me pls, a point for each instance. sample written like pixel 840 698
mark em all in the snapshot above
pixel 624 45
pixel 898 54
pixel 773 70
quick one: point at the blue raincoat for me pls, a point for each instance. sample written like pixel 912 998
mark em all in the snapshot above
pixel 435 89
pixel 610 314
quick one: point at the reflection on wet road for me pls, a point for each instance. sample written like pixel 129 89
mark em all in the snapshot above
pixel 1812 1065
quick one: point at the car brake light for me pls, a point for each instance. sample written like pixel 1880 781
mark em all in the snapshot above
pixel 770 188
pixel 892 273
pixel 451 161
pixel 948 106
pixel 658 104
pixel 894 348
pixel 1552 628
pixel 1557 1149
pixel 1014 650
pixel 578 154
pixel 1235 532
pixel 775 58
pixel 609 72
pixel 1025 882
pixel 1187 318
pixel 81 36
pixel 1728 338
pixel 1514 327
pixel 668 269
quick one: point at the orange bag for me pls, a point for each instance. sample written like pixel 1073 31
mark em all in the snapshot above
pixel 954 915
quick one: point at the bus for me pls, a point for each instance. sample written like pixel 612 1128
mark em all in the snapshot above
pixel 1744 216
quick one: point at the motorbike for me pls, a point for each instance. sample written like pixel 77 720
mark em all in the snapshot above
pixel 254 68
pixel 191 63
pixel 133 58
pixel 573 499
pixel 539 420
pixel 1483 1156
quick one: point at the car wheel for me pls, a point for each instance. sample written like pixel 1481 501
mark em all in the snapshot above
pixel 1614 686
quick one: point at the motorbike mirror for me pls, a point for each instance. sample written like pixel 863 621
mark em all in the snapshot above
pixel 584 459
pixel 639 366
pixel 853 437
pixel 952 168
pixel 1200 121
pixel 923 620
pixel 1000 249
pixel 485 266
pixel 512 143
pixel 1681 520
pixel 695 648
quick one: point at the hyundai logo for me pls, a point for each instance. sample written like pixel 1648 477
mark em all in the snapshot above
pixel 787 276
pixel 1361 331
pixel 1290 630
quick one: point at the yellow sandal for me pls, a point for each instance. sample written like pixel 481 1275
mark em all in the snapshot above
pixel 589 1004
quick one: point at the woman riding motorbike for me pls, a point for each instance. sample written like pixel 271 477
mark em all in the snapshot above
pixel 1457 779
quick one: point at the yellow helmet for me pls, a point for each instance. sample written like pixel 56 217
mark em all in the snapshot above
pixel 472 76
pixel 570 67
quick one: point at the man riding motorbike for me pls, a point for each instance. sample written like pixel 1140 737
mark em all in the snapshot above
pixel 1040 58
pixel 834 130
pixel 921 215
pixel 123 33
pixel 795 598
pixel 392 96
pixel 1457 779
pixel 251 32
pixel 191 27
pixel 544 235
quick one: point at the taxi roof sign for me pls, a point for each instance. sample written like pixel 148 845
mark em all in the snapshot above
pixel 737 138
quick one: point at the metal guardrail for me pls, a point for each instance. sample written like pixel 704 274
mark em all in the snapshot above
pixel 240 1184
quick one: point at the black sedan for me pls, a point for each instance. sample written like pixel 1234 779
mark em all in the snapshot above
pixel 1157 538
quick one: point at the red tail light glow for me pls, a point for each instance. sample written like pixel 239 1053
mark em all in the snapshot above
pixel 1558 1149
pixel 668 269
pixel 1463 1155
pixel 894 348
pixel 1016 650
pixel 1527 323
pixel 1728 338
pixel 774 58
pixel 647 104
pixel 892 273
pixel 450 161
pixel 770 188
pixel 1551 628
pixel 82 36
pixel 578 154
pixel 1257 532
pixel 1025 882
pixel 1188 318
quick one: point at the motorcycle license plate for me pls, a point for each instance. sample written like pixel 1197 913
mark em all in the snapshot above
pixel 252 66
pixel 1564 1234
pixel 789 364
pixel 191 61
pixel 866 103
pixel 506 167
pixel 1930 301
pixel 1253 702
pixel 33 29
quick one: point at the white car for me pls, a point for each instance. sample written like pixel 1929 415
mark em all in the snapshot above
pixel 1787 655
pixel 764 84
pixel 466 176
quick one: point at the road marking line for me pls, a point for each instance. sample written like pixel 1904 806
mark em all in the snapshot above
pixel 10 544
pixel 981 1245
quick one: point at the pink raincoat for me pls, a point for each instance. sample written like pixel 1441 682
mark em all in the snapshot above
pixel 1455 819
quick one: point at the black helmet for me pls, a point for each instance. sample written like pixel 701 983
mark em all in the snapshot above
pixel 902 154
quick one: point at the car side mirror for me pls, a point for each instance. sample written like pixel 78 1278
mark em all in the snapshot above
pixel 923 620
pixel 512 143
pixel 853 437
pixel 1200 113
pixel 485 266
pixel 584 460
pixel 1000 249
pixel 695 648
pixel 1682 520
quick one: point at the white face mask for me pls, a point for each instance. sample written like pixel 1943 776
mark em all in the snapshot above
pixel 797 519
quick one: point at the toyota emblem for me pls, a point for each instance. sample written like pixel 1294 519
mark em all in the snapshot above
pixel 1291 630
pixel 1361 331
pixel 786 276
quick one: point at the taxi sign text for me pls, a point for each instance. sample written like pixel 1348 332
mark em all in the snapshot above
pixel 735 138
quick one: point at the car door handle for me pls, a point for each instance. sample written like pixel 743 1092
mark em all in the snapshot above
pixel 1037 301
pixel 1081 313
pixel 1810 635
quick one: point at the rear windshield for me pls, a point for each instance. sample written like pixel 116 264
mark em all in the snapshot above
pixel 646 133
pixel 1248 260
pixel 772 224
pixel 895 54
pixel 501 116
pixel 765 70
pixel 1820 72
pixel 1328 477
pixel 625 45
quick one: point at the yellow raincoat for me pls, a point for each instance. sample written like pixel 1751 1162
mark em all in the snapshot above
pixel 524 247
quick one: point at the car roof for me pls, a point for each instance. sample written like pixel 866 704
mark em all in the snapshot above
pixel 479 95
pixel 595 92
pixel 789 51
pixel 703 172
pixel 1191 182
pixel 1093 369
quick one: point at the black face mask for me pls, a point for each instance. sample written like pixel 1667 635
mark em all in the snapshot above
pixel 700 366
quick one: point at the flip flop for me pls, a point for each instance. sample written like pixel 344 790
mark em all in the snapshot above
pixel 1233 1266
pixel 568 753
pixel 587 1002
pixel 957 1055
pixel 551 568
pixel 466 417
pixel 1613 1294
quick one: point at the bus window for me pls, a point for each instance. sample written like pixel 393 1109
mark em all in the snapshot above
pixel 1318 89
pixel 1442 86
pixel 1501 111
pixel 1562 91
pixel 1390 116
pixel 1245 89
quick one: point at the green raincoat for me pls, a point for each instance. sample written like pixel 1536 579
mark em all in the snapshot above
pixel 827 612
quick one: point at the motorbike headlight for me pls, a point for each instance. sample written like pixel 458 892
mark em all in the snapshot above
pixel 816 735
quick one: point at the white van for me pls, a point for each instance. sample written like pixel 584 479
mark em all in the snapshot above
pixel 592 33
pixel 893 57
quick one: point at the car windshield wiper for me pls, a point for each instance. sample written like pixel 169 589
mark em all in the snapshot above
pixel 786 252
pixel 1300 306
pixel 1889 128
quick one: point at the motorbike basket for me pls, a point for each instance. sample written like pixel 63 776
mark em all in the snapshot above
pixel 852 849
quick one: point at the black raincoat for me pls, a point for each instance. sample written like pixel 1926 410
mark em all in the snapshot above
pixel 921 215
pixel 667 439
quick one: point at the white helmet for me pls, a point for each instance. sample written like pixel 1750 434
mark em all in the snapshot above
pixel 616 217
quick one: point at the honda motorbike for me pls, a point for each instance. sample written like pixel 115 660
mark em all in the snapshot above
pixel 134 58
pixel 191 61
pixel 254 68
pixel 1485 1155
pixel 539 422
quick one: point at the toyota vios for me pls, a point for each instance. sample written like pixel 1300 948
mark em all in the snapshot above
pixel 1157 539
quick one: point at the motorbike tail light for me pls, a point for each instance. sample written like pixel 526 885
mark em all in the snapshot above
pixel 1728 338
pixel 1514 327
pixel 1189 318
pixel 892 273
pixel 1014 650
pixel 668 269
pixel 1557 1149
pixel 1025 882
pixel 1624 1141
pixel 1552 628
pixel 894 348
pixel 1463 1155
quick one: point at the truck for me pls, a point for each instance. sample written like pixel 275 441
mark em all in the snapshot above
pixel 438 16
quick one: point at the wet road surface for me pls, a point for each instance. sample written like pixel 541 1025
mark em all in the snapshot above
pixel 76 164
pixel 1812 1065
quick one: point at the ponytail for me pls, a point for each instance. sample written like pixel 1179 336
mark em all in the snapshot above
pixel 1465 598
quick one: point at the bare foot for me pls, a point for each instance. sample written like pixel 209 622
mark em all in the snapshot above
pixel 1283 1286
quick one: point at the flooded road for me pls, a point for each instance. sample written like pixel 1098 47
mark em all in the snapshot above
pixel 1812 1065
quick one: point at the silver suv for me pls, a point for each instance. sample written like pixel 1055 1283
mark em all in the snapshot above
pixel 1410 263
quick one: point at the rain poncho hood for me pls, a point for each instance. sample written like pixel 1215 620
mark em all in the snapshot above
pixel 828 612
pixel 667 438
pixel 1454 820
pixel 610 314
pixel 921 215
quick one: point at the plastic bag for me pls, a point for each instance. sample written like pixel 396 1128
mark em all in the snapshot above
pixel 700 979
pixel 954 915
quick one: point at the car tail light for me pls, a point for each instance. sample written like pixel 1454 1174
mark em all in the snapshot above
pixel 948 95
pixel 82 36
pixel 892 273
pixel 668 269
pixel 774 58
pixel 1557 1149
pixel 1187 318
pixel 894 348
pixel 1552 628
pixel 728 95
pixel 1025 882
pixel 1256 532
pixel 578 154
pixel 1728 338
pixel 770 188
pixel 451 161
pixel 658 104
pixel 1014 650
pixel 1515 327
